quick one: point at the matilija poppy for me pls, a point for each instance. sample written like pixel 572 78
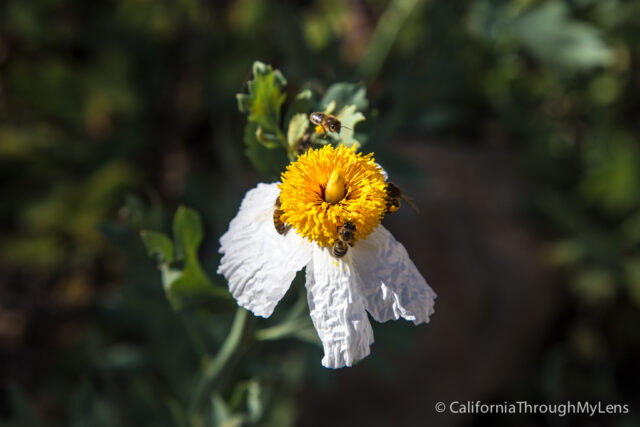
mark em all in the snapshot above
pixel 321 191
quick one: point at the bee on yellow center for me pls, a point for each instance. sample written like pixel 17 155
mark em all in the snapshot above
pixel 327 187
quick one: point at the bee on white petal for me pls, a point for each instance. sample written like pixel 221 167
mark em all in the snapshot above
pixel 346 235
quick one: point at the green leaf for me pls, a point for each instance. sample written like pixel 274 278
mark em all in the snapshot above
pixel 221 416
pixel 262 158
pixel 187 230
pixel 349 117
pixel 297 128
pixel 157 244
pixel 345 94
pixel 556 39
pixel 301 104
pixel 263 104
pixel 191 281
pixel 265 97
pixel 169 276
pixel 269 140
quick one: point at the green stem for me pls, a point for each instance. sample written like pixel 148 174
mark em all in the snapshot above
pixel 193 334
pixel 215 367
pixel 276 332
pixel 385 34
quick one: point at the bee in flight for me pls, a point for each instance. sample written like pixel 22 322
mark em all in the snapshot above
pixel 346 235
pixel 280 226
pixel 326 122
pixel 394 195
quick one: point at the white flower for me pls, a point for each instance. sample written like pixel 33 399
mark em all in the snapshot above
pixel 375 275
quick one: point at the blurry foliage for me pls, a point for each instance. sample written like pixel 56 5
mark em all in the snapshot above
pixel 98 99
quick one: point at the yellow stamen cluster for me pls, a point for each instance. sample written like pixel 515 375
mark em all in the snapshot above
pixel 324 188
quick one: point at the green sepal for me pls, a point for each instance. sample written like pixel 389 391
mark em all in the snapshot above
pixel 158 245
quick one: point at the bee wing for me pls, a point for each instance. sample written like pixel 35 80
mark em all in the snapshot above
pixel 411 204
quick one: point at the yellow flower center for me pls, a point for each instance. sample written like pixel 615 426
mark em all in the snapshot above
pixel 324 188
pixel 335 190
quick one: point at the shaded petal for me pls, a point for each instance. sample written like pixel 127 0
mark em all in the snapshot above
pixel 337 309
pixel 390 282
pixel 258 262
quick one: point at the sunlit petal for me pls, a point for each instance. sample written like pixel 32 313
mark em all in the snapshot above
pixel 258 262
pixel 337 310
pixel 391 284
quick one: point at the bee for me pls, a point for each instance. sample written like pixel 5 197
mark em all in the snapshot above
pixel 394 195
pixel 280 226
pixel 326 122
pixel 346 235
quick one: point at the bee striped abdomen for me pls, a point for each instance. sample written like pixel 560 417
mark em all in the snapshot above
pixel 392 205
pixel 346 236
pixel 280 226
pixel 339 249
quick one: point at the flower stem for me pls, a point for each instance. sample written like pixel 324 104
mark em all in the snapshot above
pixel 276 332
pixel 216 366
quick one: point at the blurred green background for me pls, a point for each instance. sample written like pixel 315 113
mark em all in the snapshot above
pixel 514 124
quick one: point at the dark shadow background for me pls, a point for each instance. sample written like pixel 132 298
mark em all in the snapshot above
pixel 514 125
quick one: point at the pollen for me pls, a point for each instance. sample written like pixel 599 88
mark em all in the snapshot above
pixel 326 187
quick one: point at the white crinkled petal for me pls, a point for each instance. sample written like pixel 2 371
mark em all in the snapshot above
pixel 337 309
pixel 258 262
pixel 390 282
